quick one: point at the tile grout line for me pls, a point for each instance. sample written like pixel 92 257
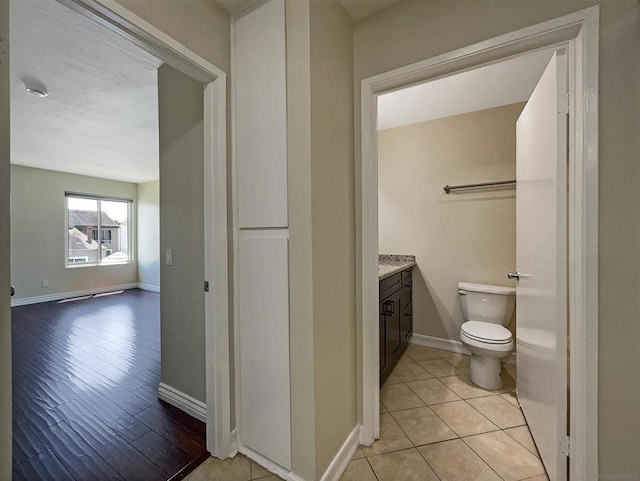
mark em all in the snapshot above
pixel 481 458
pixel 534 443
pixel 450 427
pixel 371 467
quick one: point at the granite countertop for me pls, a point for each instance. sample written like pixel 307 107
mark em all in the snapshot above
pixel 390 264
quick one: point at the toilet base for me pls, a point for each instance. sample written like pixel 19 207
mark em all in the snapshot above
pixel 486 372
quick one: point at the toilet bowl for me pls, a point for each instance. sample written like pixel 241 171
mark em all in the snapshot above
pixel 487 310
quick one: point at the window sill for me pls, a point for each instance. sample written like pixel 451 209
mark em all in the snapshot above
pixel 106 264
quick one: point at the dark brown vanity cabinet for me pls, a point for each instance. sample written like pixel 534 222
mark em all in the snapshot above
pixel 395 320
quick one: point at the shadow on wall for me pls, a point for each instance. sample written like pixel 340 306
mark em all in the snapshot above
pixel 435 315
pixel 436 319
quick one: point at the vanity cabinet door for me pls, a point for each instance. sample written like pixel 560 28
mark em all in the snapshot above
pixel 395 326
pixel 390 336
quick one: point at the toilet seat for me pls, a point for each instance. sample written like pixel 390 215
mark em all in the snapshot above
pixel 486 332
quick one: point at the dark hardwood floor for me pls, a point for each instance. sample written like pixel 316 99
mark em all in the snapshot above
pixel 85 377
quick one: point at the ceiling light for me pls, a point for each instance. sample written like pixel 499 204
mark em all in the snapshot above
pixel 40 91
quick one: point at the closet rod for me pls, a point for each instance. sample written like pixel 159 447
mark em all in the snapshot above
pixel 449 188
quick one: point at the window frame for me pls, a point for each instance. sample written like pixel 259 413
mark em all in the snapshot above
pixel 131 235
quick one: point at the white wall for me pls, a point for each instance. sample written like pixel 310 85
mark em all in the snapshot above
pixel 148 228
pixel 468 237
pixel 38 233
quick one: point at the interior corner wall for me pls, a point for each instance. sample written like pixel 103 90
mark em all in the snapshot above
pixel 182 311
pixel 460 237
pixel 5 255
pixel 333 225
pixel 415 30
pixel 303 426
pixel 148 237
pixel 38 233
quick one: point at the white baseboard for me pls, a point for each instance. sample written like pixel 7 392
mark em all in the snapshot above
pixel 182 401
pixel 269 465
pixel 69 295
pixel 439 343
pixel 334 471
pixel 234 443
pixel 148 287
pixel 341 460
pixel 447 345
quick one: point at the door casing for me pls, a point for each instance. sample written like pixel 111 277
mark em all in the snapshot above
pixel 578 33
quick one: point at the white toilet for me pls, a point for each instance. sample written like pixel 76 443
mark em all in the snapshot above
pixel 486 310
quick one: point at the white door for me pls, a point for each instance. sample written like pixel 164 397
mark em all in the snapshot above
pixel 541 257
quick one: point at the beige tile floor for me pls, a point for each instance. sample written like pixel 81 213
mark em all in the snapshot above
pixel 434 425
pixel 238 468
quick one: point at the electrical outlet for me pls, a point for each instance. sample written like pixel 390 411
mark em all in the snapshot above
pixel 169 257
pixel 45 283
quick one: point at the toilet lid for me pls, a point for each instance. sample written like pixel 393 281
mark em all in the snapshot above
pixel 486 332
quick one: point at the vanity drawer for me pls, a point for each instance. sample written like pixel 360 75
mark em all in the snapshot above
pixel 389 285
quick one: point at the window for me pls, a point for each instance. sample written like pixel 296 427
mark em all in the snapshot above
pixel 99 230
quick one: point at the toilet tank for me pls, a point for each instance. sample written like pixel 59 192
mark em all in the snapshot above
pixel 482 302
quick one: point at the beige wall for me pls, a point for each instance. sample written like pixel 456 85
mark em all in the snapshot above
pixel 200 25
pixel 415 30
pixel 303 442
pixel 333 227
pixel 466 237
pixel 5 256
pixel 38 235
pixel 321 256
pixel 148 228
pixel 181 109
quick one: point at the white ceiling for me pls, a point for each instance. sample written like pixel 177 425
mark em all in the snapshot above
pixel 494 85
pixel 101 116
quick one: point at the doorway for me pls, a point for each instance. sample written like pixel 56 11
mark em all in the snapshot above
pixel 577 32
pixel 213 103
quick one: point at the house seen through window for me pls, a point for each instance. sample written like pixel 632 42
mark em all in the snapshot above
pixel 99 230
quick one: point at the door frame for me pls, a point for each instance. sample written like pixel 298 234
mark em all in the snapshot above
pixel 578 32
pixel 122 22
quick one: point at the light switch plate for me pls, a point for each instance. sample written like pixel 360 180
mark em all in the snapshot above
pixel 169 257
